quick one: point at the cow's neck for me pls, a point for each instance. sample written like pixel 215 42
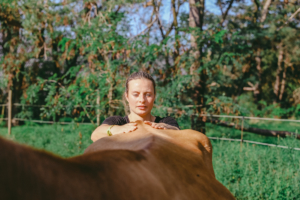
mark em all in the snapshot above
pixel 30 173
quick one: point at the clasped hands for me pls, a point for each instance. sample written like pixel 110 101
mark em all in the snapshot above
pixel 126 128
pixel 160 125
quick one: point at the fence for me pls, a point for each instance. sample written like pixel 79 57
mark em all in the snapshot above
pixel 9 119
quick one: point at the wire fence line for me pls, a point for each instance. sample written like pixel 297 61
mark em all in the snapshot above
pixel 217 116
pixel 29 105
pixel 45 122
pixel 244 117
pixel 204 115
pixel 212 138
pixel 88 106
pixel 253 142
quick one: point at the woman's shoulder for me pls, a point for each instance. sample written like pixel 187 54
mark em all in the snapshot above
pixel 164 119
pixel 167 120
pixel 115 120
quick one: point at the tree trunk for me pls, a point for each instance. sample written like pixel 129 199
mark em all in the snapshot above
pixel 265 10
pixel 17 91
pixel 278 72
pixel 258 92
pixel 12 69
pixel 283 81
pixel 175 27
pixel 196 21
pixel 196 16
pixel 282 86
pixel 112 83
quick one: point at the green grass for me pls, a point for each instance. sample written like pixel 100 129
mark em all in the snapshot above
pixel 257 172
pixel 249 172
pixel 64 140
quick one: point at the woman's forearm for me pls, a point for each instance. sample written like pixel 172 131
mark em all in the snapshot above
pixel 100 132
pixel 173 127
pixel 161 125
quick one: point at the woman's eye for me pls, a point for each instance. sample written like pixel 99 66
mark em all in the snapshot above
pixel 148 95
pixel 135 95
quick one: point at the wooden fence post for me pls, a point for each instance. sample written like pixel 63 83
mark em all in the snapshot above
pixel 2 113
pixel 98 109
pixel 242 130
pixel 9 106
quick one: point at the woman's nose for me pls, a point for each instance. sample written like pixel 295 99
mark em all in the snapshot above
pixel 142 98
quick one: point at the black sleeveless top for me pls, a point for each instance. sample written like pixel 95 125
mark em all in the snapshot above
pixel 118 120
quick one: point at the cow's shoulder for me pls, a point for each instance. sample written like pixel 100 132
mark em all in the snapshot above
pixel 200 138
pixel 191 138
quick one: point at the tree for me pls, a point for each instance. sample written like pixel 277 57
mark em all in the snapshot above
pixel 74 56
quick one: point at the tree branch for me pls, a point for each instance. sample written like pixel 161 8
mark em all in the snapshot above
pixel 148 27
pixel 265 10
pixel 293 15
pixel 169 30
pixel 221 7
pixel 226 12
pixel 175 24
pixel 290 19
pixel 156 10
pixel 257 4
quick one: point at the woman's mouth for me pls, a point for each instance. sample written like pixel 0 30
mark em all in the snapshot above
pixel 142 107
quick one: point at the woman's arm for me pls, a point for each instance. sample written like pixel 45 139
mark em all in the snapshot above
pixel 161 125
pixel 165 123
pixel 101 131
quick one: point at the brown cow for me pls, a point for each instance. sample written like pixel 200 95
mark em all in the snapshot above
pixel 144 164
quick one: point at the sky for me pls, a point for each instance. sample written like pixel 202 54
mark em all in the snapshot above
pixel 137 26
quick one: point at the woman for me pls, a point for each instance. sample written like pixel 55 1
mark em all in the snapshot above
pixel 140 94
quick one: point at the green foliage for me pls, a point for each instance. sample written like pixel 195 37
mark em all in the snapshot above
pixel 80 51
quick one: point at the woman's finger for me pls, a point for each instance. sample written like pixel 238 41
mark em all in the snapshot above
pixel 133 129
pixel 133 124
pixel 147 122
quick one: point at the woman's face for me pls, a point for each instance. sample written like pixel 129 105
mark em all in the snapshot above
pixel 140 96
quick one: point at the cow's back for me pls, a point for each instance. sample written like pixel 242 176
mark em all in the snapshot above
pixel 181 161
pixel 144 164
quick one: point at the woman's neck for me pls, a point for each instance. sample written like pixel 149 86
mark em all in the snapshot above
pixel 134 117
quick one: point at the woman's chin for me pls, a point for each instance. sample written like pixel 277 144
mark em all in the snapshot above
pixel 141 112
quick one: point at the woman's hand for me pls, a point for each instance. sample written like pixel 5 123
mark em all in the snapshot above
pixel 101 131
pixel 161 125
pixel 126 128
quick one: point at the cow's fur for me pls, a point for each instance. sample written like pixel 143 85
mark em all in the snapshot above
pixel 144 164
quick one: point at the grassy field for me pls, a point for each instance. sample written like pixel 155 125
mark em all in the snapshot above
pixel 248 171
pixel 64 140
